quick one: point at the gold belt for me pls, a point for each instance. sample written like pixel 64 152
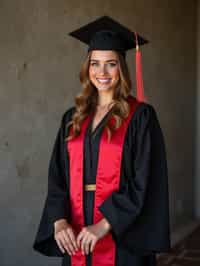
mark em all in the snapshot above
pixel 90 187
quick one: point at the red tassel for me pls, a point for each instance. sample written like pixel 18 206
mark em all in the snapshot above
pixel 139 80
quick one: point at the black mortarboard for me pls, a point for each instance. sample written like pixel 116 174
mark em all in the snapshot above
pixel 105 33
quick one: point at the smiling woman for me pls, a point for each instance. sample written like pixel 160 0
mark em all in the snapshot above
pixel 104 69
pixel 105 80
pixel 107 200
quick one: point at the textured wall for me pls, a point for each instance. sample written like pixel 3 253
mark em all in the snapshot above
pixel 39 70
pixel 197 175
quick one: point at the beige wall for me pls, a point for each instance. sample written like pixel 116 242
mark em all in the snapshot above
pixel 39 67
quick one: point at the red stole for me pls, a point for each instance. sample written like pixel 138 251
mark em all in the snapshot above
pixel 107 181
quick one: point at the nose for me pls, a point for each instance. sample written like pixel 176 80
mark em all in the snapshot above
pixel 102 69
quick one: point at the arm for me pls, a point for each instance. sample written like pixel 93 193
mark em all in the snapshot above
pixel 122 207
pixel 56 205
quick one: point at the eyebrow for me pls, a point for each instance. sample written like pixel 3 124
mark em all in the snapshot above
pixel 106 60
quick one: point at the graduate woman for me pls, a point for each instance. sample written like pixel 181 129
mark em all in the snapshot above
pixel 107 202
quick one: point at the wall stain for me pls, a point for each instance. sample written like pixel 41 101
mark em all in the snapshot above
pixel 6 143
pixel 23 170
pixel 21 70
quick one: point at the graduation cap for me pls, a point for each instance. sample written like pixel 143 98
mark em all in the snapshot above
pixel 105 33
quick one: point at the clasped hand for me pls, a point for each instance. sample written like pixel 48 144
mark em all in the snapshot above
pixel 85 240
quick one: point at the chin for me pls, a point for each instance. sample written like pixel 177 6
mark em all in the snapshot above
pixel 99 88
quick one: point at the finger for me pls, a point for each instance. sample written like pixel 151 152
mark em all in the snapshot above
pixel 73 240
pixel 79 238
pixel 92 245
pixel 87 245
pixel 68 251
pixel 83 243
pixel 60 245
pixel 67 242
pixel 63 244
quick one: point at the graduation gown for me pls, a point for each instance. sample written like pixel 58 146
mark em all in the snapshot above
pixel 138 212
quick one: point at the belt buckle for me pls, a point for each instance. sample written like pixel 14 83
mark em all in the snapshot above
pixel 90 187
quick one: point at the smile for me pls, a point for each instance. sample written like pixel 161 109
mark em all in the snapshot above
pixel 104 81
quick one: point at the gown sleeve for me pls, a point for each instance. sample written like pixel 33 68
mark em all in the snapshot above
pixel 141 206
pixel 56 204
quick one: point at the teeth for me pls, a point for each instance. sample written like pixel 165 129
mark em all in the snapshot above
pixel 103 80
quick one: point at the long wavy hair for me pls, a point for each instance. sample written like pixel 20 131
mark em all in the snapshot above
pixel 86 101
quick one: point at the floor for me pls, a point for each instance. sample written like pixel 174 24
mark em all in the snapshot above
pixel 185 253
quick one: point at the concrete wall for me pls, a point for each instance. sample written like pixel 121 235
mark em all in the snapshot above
pixel 39 67
pixel 197 174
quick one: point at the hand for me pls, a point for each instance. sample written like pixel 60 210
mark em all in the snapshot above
pixel 65 237
pixel 89 235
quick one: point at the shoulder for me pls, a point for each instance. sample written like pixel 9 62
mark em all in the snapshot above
pixel 67 115
pixel 144 113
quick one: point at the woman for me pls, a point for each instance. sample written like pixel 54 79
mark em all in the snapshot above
pixel 107 201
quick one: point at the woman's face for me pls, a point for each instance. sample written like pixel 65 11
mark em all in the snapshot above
pixel 104 69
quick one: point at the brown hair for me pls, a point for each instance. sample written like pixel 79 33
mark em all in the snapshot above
pixel 86 101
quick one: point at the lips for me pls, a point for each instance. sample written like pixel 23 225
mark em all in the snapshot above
pixel 103 80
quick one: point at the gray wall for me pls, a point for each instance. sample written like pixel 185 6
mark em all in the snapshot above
pixel 39 67
pixel 197 173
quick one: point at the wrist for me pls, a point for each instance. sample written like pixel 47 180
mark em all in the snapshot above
pixel 106 224
pixel 60 221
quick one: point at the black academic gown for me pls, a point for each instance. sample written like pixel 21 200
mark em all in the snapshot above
pixel 138 212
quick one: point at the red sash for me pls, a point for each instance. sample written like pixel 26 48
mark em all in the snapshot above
pixel 107 181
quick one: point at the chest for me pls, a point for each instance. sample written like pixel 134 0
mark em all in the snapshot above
pixel 97 120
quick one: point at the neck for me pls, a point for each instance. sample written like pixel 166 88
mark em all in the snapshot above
pixel 104 99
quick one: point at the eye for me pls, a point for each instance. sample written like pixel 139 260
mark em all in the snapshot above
pixel 112 64
pixel 93 64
